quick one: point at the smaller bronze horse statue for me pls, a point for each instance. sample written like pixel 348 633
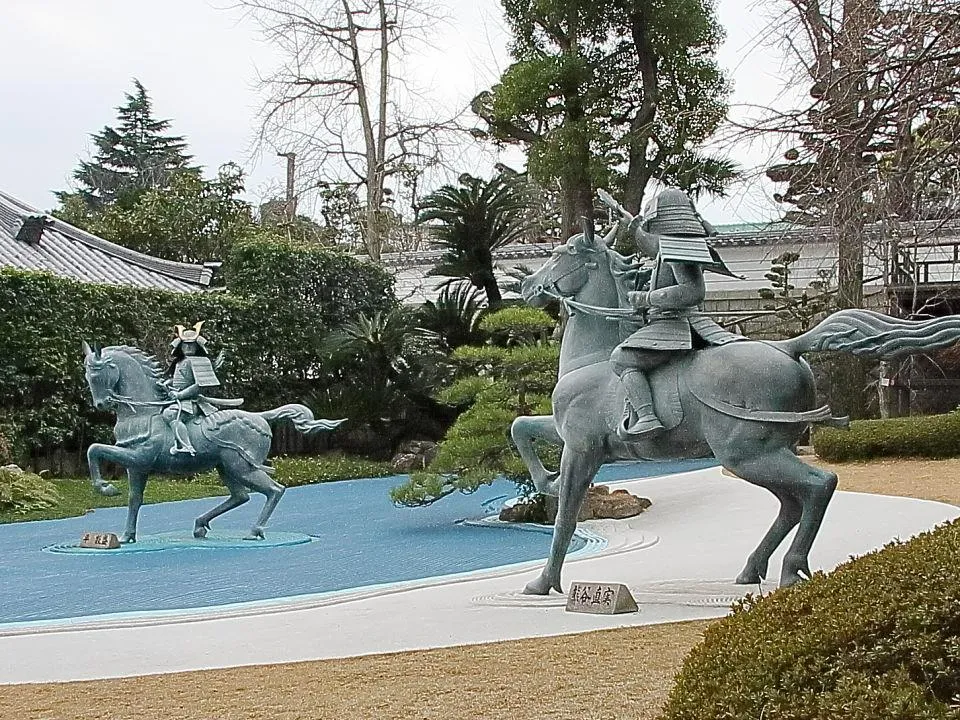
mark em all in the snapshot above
pixel 235 442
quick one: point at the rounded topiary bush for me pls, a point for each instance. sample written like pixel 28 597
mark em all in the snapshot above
pixel 877 638
pixel 516 324
pixel 22 492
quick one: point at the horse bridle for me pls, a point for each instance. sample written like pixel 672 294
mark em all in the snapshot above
pixel 607 313
pixel 552 290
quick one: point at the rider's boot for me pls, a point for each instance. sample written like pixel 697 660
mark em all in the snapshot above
pixel 639 398
pixel 181 442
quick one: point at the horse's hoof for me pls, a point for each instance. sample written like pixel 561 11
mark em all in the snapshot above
pixel 793 572
pixel 548 485
pixel 790 579
pixel 540 586
pixel 751 575
pixel 255 534
pixel 107 490
pixel 200 529
pixel 127 539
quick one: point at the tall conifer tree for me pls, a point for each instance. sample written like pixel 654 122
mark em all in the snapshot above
pixel 135 156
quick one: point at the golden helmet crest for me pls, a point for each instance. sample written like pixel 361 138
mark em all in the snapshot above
pixel 191 335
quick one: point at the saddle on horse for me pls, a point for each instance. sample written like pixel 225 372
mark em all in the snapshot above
pixel 663 337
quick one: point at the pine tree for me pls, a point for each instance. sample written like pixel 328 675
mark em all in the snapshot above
pixel 131 158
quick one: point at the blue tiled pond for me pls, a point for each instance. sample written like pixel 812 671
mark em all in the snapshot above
pixel 359 539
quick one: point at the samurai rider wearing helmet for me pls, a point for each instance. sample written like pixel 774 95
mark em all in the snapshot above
pixel 191 373
pixel 671 231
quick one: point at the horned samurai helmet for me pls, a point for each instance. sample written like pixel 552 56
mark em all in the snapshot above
pixel 189 335
pixel 672 213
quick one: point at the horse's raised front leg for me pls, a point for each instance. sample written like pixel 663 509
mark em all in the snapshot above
pixel 238 496
pixel 138 482
pixel 524 431
pixel 99 452
pixel 577 469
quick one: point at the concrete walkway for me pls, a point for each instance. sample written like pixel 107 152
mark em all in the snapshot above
pixel 679 559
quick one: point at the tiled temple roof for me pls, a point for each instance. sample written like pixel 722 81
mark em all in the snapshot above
pixel 64 250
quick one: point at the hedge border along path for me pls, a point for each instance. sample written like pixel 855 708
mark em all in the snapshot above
pixel 878 637
pixel 931 436
pixel 613 674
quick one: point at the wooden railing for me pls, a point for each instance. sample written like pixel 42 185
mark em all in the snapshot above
pixel 914 264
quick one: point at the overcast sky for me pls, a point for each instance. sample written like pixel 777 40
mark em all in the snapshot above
pixel 66 64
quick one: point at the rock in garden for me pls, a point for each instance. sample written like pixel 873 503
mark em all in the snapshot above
pixel 601 504
pixel 414 455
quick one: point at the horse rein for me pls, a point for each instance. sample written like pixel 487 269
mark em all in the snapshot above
pixel 134 404
pixel 607 313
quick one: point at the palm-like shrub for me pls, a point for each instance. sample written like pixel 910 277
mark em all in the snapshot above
pixel 455 316
pixel 476 218
pixel 381 365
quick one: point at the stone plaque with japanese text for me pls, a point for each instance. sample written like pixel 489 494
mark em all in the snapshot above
pixel 600 598
pixel 100 541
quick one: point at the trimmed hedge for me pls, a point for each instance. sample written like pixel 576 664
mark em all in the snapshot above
pixel 309 470
pixel 934 436
pixel 877 638
pixel 293 472
pixel 300 294
pixel 281 302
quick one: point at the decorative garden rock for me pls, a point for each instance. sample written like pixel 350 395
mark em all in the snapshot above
pixel 601 504
pixel 414 455
pixel 171 427
pixel 745 402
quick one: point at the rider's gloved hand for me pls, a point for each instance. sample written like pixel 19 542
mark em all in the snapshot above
pixel 638 299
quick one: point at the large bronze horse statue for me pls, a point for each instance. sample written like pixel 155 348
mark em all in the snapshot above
pixel 235 442
pixel 746 403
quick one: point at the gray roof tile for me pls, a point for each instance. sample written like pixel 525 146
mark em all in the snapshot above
pixel 70 252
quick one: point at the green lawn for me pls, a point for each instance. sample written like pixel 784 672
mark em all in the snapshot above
pixel 77 497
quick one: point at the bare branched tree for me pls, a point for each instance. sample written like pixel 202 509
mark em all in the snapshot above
pixel 338 100
pixel 884 82
pixel 872 132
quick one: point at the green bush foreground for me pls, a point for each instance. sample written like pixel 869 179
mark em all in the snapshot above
pixel 877 638
pixel 934 436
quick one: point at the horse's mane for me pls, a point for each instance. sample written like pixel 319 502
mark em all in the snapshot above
pixel 625 270
pixel 148 363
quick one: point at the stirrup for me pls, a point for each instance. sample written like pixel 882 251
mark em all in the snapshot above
pixel 182 451
pixel 645 425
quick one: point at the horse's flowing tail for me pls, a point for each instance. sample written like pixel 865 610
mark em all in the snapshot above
pixel 301 416
pixel 871 335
